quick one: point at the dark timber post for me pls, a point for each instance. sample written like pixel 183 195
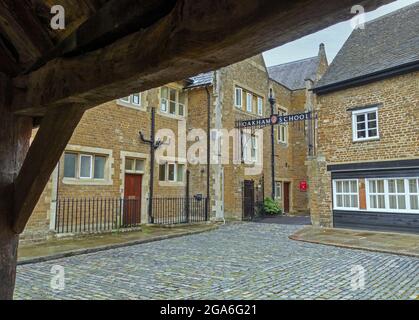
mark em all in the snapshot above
pixel 15 132
pixel 272 103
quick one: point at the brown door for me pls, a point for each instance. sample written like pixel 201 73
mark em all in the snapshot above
pixel 248 199
pixel 286 197
pixel 132 199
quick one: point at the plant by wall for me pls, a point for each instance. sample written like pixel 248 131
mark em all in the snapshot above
pixel 271 207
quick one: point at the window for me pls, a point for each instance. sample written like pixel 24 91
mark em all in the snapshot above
pixel 132 100
pixel 376 194
pixel 172 172
pixel 70 160
pixel 238 97
pixel 249 147
pixel 365 124
pixel 346 194
pixel 134 165
pixel 414 194
pixel 162 172
pixel 249 100
pixel 278 189
pixel 172 101
pixel 99 172
pixel 393 195
pixel 260 106
pixel 282 130
pixel 84 166
pixel 253 148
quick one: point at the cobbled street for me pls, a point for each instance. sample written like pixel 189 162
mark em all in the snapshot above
pixel 237 261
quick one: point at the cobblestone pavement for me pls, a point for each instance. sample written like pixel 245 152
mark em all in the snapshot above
pixel 237 261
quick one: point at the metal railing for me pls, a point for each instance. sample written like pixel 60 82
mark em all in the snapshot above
pixel 179 210
pixel 89 215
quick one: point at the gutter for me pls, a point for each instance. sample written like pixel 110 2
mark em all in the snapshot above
pixel 365 79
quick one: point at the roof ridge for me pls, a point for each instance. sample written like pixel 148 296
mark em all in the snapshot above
pixel 295 61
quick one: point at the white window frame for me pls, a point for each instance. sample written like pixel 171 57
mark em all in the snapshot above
pixel 176 169
pixel 139 99
pixel 260 106
pixel 134 171
pixel 355 130
pixel 177 103
pixel 236 103
pixel 278 184
pixel 81 155
pixel 249 102
pixel 282 138
pixel 407 195
pixel 335 207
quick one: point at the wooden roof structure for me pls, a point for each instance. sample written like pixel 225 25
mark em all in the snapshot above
pixel 109 49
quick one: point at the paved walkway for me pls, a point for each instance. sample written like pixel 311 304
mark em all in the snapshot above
pixel 236 261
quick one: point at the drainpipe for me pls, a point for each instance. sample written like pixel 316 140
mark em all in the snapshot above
pixel 208 151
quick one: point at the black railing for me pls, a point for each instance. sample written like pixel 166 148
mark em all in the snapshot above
pixel 179 210
pixel 83 215
pixel 91 215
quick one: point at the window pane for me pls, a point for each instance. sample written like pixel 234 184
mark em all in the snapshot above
pixel 380 186
pixel 163 106
pixel 339 201
pixel 373 201
pixel 260 106
pixel 172 95
pixel 180 172
pixel 139 165
pixel 372 186
pixel 362 134
pixel 164 93
pixel 238 97
pixel 249 102
pixel 381 202
pixel 353 186
pixel 125 99
pixel 181 110
pixel 99 167
pixel 391 186
pixel 129 164
pixel 402 202
pixel 346 186
pixel 70 165
pixel 361 126
pixel 414 202
pixel 85 166
pixel 372 116
pixel 162 172
pixel 360 118
pixel 413 187
pixel 400 186
pixel 347 201
pixel 393 202
pixel 136 99
pixel 171 175
pixel 339 186
pixel 172 107
pixel 372 124
pixel 372 133
pixel 354 201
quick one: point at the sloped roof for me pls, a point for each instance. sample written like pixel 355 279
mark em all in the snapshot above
pixel 385 43
pixel 293 74
pixel 203 79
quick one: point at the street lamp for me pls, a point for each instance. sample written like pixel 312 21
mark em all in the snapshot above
pixel 272 102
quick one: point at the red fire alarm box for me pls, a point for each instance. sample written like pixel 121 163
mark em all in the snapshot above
pixel 303 186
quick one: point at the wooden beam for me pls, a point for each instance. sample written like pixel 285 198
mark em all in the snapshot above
pixel 23 29
pixel 14 142
pixel 43 155
pixel 196 36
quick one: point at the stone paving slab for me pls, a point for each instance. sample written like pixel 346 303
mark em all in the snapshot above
pixel 397 243
pixel 236 261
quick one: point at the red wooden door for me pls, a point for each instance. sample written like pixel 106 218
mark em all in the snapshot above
pixel 132 199
pixel 286 197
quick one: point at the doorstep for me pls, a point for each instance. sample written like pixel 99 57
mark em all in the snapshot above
pixel 60 248
pixel 387 242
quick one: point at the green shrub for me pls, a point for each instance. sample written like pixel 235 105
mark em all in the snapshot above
pixel 270 206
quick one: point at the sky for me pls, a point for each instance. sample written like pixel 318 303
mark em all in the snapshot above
pixel 333 37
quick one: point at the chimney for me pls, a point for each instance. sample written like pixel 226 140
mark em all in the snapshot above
pixel 322 51
pixel 323 63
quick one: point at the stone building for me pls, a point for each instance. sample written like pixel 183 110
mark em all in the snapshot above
pixel 107 159
pixel 366 170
